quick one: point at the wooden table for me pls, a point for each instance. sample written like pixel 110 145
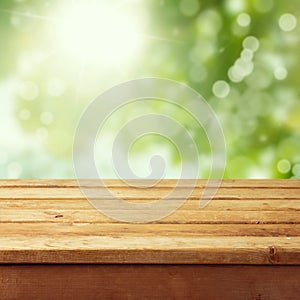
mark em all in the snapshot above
pixel 245 244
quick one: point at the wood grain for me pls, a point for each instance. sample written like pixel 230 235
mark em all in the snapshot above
pixel 250 222
pixel 229 183
pixel 238 193
pixel 47 282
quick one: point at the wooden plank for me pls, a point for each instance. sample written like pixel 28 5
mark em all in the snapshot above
pixel 29 230
pixel 44 282
pixel 200 216
pixel 147 194
pixel 151 250
pixel 219 205
pixel 115 183
pixel 249 222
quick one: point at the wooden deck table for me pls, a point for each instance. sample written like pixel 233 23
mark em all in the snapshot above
pixel 245 244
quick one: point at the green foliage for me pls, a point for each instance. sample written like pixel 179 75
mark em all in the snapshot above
pixel 241 56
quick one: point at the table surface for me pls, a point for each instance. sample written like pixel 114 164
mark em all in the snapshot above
pixel 248 222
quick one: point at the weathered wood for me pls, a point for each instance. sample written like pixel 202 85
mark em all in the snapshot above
pixel 237 193
pixel 150 250
pixel 200 216
pixel 44 282
pixel 230 183
pixel 249 222
pixel 148 230
pixel 245 244
pixel 215 205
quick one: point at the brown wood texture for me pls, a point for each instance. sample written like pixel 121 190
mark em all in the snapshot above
pixel 43 282
pixel 250 222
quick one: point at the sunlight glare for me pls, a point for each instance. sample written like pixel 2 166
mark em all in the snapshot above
pixel 99 33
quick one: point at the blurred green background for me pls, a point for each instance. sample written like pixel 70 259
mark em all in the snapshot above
pixel 242 56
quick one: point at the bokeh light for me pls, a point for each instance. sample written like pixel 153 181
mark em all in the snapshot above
pixel 287 22
pixel 242 56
